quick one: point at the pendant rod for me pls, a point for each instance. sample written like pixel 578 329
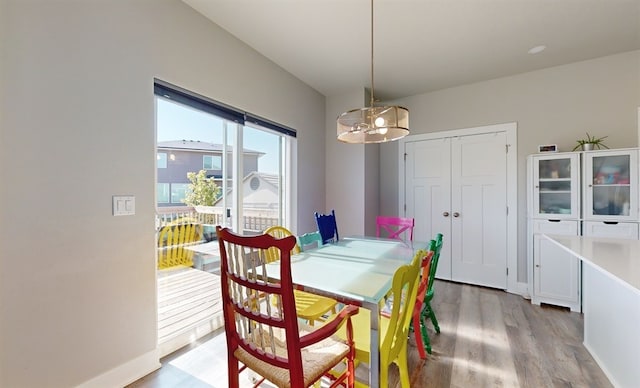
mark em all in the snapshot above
pixel 371 104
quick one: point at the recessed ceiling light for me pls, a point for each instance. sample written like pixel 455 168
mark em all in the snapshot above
pixel 537 49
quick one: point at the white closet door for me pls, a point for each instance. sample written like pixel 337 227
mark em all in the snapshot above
pixel 428 194
pixel 479 210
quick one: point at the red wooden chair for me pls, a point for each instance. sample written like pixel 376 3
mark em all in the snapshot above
pixel 398 228
pixel 268 339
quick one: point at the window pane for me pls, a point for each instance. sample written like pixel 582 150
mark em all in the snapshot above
pixel 163 192
pixel 178 191
pixel 262 183
pixel 162 160
pixel 212 162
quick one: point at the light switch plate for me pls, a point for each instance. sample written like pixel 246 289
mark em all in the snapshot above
pixel 124 205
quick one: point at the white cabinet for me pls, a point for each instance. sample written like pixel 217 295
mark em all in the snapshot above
pixel 625 230
pixel 553 208
pixel 556 272
pixel 611 185
pixel 555 181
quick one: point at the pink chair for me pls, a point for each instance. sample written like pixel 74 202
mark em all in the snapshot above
pixel 398 228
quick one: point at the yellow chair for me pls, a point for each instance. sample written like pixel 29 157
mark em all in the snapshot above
pixel 310 307
pixel 172 240
pixel 394 329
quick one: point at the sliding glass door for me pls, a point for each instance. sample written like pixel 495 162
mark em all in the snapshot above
pixel 215 167
pixel 217 171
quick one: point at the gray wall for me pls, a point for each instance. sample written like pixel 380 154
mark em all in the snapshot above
pixel 552 106
pixel 77 285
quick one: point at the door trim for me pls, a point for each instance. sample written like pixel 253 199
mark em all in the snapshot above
pixel 511 130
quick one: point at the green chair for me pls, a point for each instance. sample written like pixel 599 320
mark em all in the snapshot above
pixel 308 239
pixel 427 310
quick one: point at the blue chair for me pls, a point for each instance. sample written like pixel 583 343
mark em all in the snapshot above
pixel 327 227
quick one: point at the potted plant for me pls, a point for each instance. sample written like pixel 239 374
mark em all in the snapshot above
pixel 591 143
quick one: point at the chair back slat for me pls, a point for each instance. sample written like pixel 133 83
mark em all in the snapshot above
pixel 399 228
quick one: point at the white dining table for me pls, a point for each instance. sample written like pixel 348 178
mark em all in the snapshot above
pixel 355 270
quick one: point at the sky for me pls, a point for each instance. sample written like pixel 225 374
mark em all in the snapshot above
pixel 179 122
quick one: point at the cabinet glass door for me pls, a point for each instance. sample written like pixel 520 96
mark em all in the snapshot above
pixel 556 187
pixel 611 183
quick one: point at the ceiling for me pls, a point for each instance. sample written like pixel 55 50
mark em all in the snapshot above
pixel 424 45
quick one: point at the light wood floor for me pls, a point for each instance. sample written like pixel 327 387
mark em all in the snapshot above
pixel 488 339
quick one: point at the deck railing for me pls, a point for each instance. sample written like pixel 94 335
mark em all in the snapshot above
pixel 212 216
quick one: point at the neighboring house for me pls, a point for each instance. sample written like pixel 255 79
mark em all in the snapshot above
pixel 178 157
pixel 261 195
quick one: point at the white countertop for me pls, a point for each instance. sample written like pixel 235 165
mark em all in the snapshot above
pixel 618 258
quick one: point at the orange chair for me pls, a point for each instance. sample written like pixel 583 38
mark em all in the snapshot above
pixel 398 228
pixel 419 326
pixel 269 340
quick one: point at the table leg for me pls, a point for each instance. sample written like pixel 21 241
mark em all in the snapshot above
pixel 374 351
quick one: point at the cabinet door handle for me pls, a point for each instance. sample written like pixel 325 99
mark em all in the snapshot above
pixel 446 214
pixel 537 265
pixel 456 214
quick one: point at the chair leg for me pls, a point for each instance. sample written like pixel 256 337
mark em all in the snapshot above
pixel 425 336
pixel 432 315
pixel 233 372
pixel 403 368
pixel 417 326
pixel 384 374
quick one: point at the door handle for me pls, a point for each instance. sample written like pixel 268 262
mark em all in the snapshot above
pixel 446 214
pixel 456 214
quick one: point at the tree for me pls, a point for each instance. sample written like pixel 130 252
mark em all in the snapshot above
pixel 202 191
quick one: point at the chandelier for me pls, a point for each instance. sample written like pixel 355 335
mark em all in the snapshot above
pixel 373 124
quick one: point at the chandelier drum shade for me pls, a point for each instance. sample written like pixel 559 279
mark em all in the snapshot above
pixel 373 124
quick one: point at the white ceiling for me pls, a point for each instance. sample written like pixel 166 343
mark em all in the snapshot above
pixel 424 45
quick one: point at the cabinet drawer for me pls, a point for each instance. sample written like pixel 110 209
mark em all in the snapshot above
pixel 623 230
pixel 567 228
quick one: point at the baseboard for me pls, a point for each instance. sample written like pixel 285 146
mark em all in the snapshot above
pixel 126 373
pixel 520 289
pixel 601 365
pixel 523 289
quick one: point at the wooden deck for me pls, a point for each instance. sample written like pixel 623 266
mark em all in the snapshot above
pixel 189 306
